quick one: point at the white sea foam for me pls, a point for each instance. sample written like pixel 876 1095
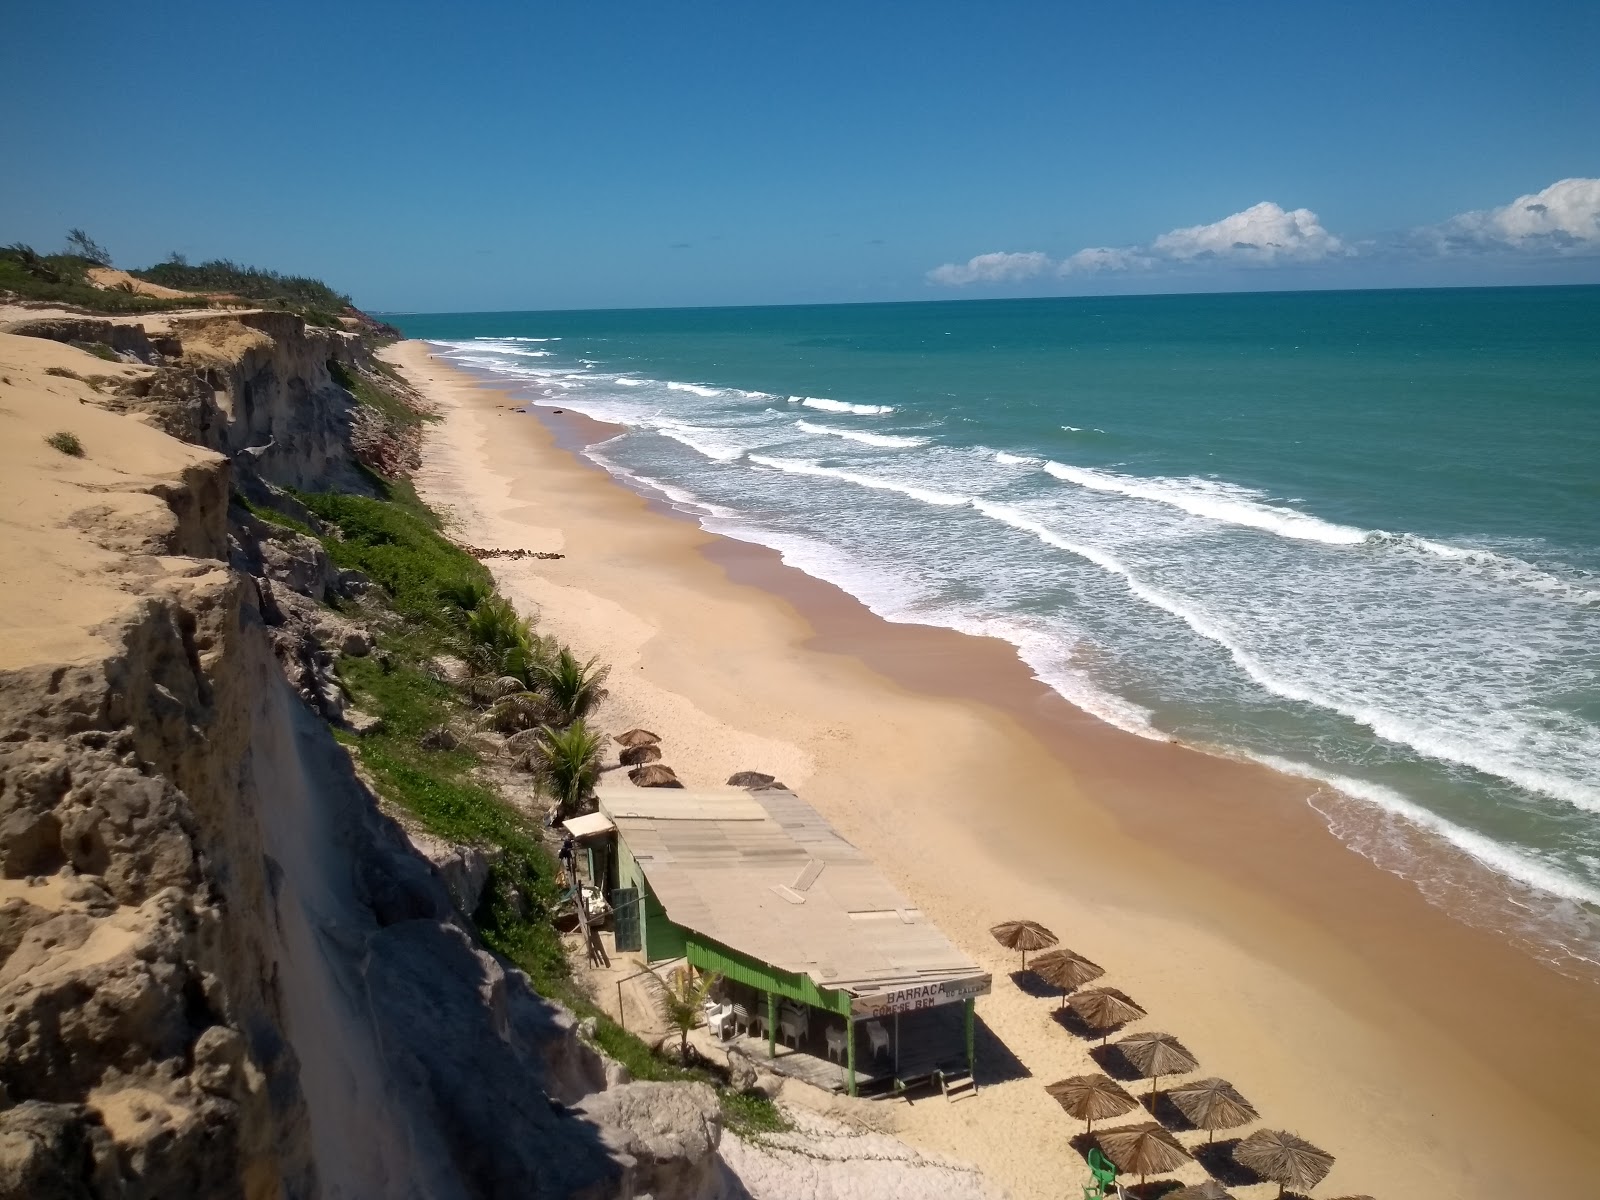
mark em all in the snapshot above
pixel 1215 501
pixel 697 388
pixel 678 495
pixel 795 466
pixel 628 381
pixel 1015 460
pixel 886 440
pixel 703 441
pixel 1073 428
pixel 823 404
pixel 1492 854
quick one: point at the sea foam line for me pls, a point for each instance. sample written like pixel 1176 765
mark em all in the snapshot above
pixel 795 466
pixel 1464 751
pixel 886 440
pixel 823 404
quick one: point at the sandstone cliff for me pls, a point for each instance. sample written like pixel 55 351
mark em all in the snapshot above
pixel 222 971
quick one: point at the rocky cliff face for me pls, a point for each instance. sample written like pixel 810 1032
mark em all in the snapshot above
pixel 222 971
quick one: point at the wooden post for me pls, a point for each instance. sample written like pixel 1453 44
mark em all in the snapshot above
pixel 850 1054
pixel 772 1025
pixel 971 1041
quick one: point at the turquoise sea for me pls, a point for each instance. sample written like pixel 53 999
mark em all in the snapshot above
pixel 1352 534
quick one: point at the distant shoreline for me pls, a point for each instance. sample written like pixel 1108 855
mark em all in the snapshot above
pixel 1201 877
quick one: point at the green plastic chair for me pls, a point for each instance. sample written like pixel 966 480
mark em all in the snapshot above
pixel 1105 1174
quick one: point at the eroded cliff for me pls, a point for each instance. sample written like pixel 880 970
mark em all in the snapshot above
pixel 222 971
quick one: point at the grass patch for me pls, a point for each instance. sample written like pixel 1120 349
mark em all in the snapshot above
pixel 405 555
pixel 273 517
pixel 67 443
pixel 750 1113
pixel 248 283
pixel 63 279
pixel 98 349
pixel 393 408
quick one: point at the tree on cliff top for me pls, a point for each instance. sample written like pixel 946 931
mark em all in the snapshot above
pixel 81 245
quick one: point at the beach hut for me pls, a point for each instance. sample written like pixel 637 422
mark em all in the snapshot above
pixel 810 938
pixel 637 737
pixel 1104 1009
pixel 1066 970
pixel 1091 1098
pixel 1212 1104
pixel 1155 1055
pixel 1023 936
pixel 1284 1158
pixel 1142 1150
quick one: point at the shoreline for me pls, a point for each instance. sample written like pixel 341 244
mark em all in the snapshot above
pixel 1341 1002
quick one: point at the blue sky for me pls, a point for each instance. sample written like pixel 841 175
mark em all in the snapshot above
pixel 520 155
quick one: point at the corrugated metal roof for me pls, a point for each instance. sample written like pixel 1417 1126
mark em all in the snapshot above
pixel 763 873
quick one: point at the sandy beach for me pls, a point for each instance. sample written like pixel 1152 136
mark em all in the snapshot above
pixel 1434 1059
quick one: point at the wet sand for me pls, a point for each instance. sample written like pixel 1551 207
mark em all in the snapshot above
pixel 1434 1059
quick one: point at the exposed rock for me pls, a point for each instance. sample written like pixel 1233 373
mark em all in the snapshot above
pixel 357 643
pixel 670 1130
pixel 439 738
pixel 449 669
pixel 359 722
pixel 463 869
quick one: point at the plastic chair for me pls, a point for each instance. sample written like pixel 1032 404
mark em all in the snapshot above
pixel 878 1037
pixel 1105 1175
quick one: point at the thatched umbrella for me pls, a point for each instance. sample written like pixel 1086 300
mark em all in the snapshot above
pixel 1156 1054
pixel 751 779
pixel 1213 1104
pixel 1024 936
pixel 1142 1150
pixel 637 756
pixel 654 775
pixel 638 737
pixel 1209 1190
pixel 1104 1009
pixel 1092 1098
pixel 1066 970
pixel 1287 1160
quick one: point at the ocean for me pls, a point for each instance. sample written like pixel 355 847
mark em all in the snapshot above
pixel 1353 535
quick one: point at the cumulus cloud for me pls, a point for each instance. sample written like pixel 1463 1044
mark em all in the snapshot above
pixel 1564 218
pixel 1262 235
pixel 992 268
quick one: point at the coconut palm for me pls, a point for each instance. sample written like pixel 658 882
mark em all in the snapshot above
pixel 566 763
pixel 681 1000
pixel 574 687
pixel 463 595
pixel 516 708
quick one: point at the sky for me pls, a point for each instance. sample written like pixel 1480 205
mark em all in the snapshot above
pixel 518 155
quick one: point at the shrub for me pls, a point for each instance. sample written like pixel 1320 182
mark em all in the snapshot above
pixel 67 443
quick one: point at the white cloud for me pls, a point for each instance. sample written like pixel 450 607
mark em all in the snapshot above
pixel 1262 235
pixel 1564 218
pixel 999 267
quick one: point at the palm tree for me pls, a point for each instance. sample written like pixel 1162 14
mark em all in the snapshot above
pixel 462 596
pixel 681 999
pixel 515 708
pixel 566 763
pixel 574 687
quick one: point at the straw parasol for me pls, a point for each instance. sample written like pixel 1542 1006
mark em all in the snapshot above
pixel 1157 1054
pixel 1287 1160
pixel 1066 970
pixel 1092 1098
pixel 655 775
pixel 1213 1104
pixel 751 779
pixel 638 737
pixel 1024 936
pixel 1209 1190
pixel 637 756
pixel 1142 1150
pixel 1104 1009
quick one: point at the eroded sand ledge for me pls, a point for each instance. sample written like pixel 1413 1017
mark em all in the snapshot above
pixel 1342 1004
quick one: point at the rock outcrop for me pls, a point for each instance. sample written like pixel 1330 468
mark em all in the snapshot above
pixel 222 971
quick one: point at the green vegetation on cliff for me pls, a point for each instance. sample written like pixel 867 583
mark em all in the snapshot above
pixel 64 279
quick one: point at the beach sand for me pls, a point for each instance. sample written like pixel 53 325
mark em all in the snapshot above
pixel 1434 1059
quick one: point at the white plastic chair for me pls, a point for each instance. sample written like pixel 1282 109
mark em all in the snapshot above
pixel 836 1042
pixel 878 1036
